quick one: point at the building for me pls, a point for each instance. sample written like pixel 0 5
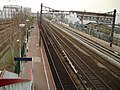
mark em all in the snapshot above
pixel 26 10
pixel 10 10
pixel 92 16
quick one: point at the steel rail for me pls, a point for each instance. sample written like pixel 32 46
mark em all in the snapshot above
pixel 64 82
pixel 89 75
pixel 115 70
pixel 96 46
pixel 55 74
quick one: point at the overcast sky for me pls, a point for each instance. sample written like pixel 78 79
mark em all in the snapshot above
pixel 88 5
pixel 80 5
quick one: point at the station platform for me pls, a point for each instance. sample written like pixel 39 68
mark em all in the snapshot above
pixel 42 76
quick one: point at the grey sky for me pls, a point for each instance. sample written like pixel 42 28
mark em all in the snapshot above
pixel 80 5
pixel 88 5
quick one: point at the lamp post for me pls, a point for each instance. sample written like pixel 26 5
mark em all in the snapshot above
pixel 21 26
pixel 18 68
pixel 27 20
pixel 18 41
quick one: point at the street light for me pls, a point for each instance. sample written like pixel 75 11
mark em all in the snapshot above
pixel 18 68
pixel 21 26
pixel 18 41
pixel 27 20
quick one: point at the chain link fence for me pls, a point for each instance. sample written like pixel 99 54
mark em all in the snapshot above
pixel 100 35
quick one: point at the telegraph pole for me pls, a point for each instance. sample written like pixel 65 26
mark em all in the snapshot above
pixel 40 25
pixel 113 25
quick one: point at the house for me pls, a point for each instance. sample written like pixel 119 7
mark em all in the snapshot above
pixel 77 25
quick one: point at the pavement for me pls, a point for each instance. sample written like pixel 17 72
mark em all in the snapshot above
pixel 42 76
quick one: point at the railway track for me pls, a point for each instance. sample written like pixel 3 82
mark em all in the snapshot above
pixel 94 82
pixel 115 70
pixel 63 80
pixel 97 46
pixel 5 22
pixel 4 25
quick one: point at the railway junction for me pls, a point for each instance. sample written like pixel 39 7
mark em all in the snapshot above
pixel 79 57
pixel 63 58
